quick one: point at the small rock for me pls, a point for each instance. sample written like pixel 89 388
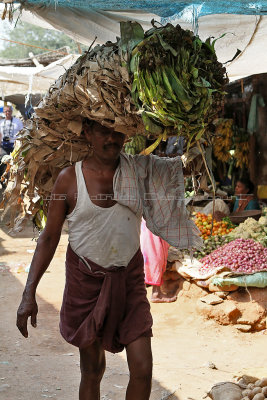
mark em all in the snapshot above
pixel 210 365
pixel 260 325
pixel 231 310
pixel 251 313
pixel 222 295
pixel 243 328
pixel 211 299
pixel 225 313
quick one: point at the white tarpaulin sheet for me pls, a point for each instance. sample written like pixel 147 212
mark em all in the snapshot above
pixel 24 80
pixel 245 32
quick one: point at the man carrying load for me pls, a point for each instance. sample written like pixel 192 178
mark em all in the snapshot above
pixel 104 304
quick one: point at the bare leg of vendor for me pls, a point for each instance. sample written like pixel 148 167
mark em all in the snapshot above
pixel 167 293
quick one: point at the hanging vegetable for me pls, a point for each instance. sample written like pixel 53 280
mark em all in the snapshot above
pixel 223 139
pixel 241 146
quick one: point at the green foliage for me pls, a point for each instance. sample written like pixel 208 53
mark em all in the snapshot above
pixel 178 83
pixel 34 35
pixel 135 145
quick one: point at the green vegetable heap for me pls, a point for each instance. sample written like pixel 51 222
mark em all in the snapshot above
pixel 212 243
pixel 178 84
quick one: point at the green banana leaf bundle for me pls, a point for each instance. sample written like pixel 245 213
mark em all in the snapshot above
pixel 178 83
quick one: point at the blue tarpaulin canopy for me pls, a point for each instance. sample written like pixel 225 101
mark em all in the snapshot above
pixel 165 9
pixel 243 21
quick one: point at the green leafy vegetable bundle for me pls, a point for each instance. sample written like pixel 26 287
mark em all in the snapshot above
pixel 178 83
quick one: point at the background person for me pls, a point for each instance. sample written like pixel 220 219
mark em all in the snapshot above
pixel 244 190
pixel 9 127
pixel 245 199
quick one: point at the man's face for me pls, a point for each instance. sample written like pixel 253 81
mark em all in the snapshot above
pixel 105 142
pixel 8 112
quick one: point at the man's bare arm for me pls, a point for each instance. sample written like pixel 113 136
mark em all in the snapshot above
pixel 44 252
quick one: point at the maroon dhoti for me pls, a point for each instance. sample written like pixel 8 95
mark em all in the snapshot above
pixel 105 303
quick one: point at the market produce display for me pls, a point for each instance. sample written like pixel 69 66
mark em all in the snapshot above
pixel 204 223
pixel 212 243
pixel 253 229
pixel 163 82
pixel 240 391
pixel 244 256
pixel 255 391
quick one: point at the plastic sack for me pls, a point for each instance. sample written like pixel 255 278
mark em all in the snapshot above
pixel 259 279
pixel 220 205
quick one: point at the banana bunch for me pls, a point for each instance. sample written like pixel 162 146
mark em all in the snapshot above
pixel 135 145
pixel 242 154
pixel 223 139
pixel 241 146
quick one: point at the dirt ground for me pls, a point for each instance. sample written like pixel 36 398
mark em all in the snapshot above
pixel 45 366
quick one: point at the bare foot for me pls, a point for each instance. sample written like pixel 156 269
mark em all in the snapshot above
pixel 159 297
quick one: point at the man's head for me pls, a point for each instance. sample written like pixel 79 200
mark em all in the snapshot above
pixel 105 142
pixel 8 112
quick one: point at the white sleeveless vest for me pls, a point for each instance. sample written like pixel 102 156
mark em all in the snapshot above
pixel 107 236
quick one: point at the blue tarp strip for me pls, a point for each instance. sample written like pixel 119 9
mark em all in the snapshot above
pixel 163 8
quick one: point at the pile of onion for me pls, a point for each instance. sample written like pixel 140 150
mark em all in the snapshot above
pixel 241 255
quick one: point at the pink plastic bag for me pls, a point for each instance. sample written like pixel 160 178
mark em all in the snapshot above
pixel 155 253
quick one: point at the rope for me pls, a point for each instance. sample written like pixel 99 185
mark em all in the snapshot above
pixel 37 47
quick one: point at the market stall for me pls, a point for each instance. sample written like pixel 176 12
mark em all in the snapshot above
pixel 231 268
